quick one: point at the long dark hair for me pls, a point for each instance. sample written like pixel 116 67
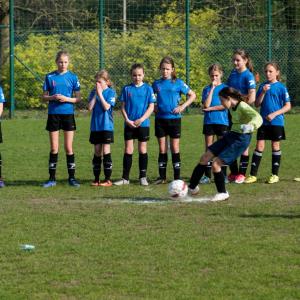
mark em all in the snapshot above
pixel 245 55
pixel 275 66
pixel 227 92
pixel 169 60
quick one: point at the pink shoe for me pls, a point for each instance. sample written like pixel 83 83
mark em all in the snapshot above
pixel 240 178
pixel 231 177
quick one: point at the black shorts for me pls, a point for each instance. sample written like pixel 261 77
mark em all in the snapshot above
pixel 170 127
pixel 215 129
pixel 1 140
pixel 64 122
pixel 101 137
pixel 271 132
pixel 142 134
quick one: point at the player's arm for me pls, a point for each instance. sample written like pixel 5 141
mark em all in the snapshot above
pixel 259 99
pixel 278 112
pixel 46 97
pixel 214 108
pixel 92 103
pixel 251 96
pixel 1 109
pixel 124 113
pixel 76 99
pixel 191 96
pixel 146 115
pixel 104 103
pixel 254 119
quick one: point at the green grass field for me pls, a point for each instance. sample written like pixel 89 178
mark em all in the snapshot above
pixel 104 243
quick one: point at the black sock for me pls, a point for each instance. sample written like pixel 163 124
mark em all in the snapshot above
pixel 208 170
pixel 71 165
pixel 196 175
pixel 0 165
pixel 234 170
pixel 162 165
pixel 127 163
pixel 143 164
pixel 256 158
pixel 52 165
pixel 107 166
pixel 276 157
pixel 97 167
pixel 176 165
pixel 220 182
pixel 244 164
pixel 224 170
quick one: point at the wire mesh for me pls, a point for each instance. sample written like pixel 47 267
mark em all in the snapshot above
pixel 145 31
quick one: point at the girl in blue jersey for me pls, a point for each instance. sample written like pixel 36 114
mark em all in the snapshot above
pixel 137 105
pixel 101 102
pixel 2 100
pixel 168 116
pixel 215 115
pixel 61 91
pixel 242 79
pixel 273 99
pixel 225 150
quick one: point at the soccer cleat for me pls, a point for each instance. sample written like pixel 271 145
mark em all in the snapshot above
pixel 49 183
pixel 121 182
pixel 231 177
pixel 240 178
pixel 160 181
pixel 194 191
pixel 95 183
pixel 205 180
pixel 105 183
pixel 73 182
pixel 272 179
pixel 143 181
pixel 297 179
pixel 250 179
pixel 2 185
pixel 220 197
pixel 226 179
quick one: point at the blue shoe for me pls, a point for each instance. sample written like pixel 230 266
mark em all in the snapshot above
pixel 226 180
pixel 2 185
pixel 73 182
pixel 204 180
pixel 49 183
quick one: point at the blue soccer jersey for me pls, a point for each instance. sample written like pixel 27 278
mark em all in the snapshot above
pixel 65 84
pixel 169 94
pixel 137 100
pixel 103 119
pixel 241 81
pixel 216 116
pixel 2 98
pixel 275 98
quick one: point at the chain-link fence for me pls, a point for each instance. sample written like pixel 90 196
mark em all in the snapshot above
pixel 145 31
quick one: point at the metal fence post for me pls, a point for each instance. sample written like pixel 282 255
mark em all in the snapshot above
pixel 269 9
pixel 101 34
pixel 187 41
pixel 11 58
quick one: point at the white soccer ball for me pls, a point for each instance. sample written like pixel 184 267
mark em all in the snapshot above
pixel 178 189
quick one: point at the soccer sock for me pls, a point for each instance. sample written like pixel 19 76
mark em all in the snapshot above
pixel 127 163
pixel 234 168
pixel 256 158
pixel 224 170
pixel 208 170
pixel 220 182
pixel 97 167
pixel 244 164
pixel 196 175
pixel 162 165
pixel 107 166
pixel 176 165
pixel 0 165
pixel 52 165
pixel 276 157
pixel 71 165
pixel 143 164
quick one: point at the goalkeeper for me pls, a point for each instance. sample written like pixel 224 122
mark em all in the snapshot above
pixel 224 151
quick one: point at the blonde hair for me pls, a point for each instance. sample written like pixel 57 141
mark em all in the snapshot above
pixel 103 74
pixel 215 67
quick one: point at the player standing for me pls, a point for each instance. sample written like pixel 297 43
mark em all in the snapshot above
pixel 61 91
pixel 168 116
pixel 242 79
pixel 2 100
pixel 101 102
pixel 137 105
pixel 215 115
pixel 225 150
pixel 273 99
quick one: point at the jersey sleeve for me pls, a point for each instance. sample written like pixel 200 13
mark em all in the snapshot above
pixel 260 88
pixel 184 88
pixel 122 97
pixel 76 84
pixel 2 98
pixel 251 81
pixel 286 95
pixel 151 96
pixel 46 85
pixel 205 94
pixel 111 98
pixel 252 116
pixel 91 95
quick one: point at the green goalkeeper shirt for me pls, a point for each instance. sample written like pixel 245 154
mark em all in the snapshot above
pixel 243 113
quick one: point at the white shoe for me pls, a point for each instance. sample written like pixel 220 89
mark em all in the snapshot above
pixel 143 181
pixel 220 197
pixel 194 191
pixel 121 182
